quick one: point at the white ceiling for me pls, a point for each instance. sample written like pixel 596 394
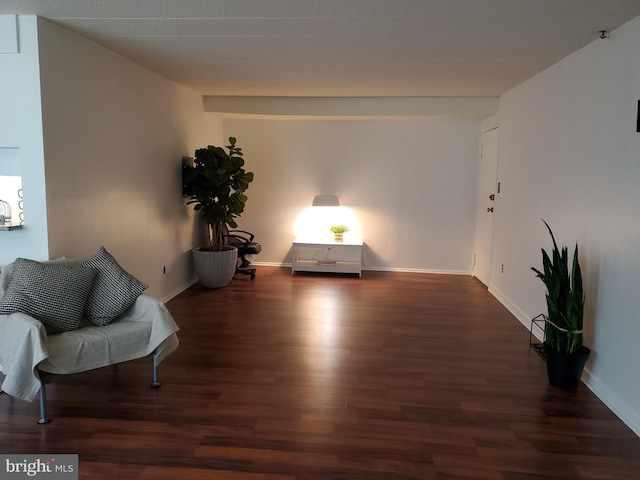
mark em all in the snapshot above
pixel 339 47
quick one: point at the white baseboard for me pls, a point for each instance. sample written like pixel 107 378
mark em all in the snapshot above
pixel 177 291
pixel 380 269
pixel 522 317
pixel 417 270
pixel 618 406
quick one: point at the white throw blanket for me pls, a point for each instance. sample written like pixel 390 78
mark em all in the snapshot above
pixel 26 348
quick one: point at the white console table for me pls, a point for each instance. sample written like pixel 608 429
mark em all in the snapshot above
pixel 327 256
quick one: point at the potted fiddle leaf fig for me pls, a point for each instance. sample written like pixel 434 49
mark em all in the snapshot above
pixel 565 353
pixel 215 182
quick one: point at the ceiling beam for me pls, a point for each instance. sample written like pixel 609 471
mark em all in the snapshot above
pixel 475 108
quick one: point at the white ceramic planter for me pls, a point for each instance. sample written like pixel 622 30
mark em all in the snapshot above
pixel 215 269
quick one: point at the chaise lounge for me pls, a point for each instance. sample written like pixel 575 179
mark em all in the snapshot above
pixel 68 316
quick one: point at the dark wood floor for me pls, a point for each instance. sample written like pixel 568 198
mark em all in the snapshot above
pixel 392 376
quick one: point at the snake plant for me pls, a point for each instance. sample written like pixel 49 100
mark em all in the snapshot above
pixel 565 298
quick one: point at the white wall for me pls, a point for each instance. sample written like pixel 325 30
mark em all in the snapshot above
pixel 569 153
pixel 114 135
pixel 21 131
pixel 411 184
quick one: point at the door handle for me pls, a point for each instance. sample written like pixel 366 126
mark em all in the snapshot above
pixel 490 209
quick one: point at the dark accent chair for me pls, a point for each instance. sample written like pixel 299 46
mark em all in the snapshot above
pixel 243 241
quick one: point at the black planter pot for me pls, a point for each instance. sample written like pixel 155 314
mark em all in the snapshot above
pixel 564 370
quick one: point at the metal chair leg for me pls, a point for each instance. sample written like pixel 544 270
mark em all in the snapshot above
pixel 155 383
pixel 44 419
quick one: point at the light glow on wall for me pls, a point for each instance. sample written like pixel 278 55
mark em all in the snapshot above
pixel 313 223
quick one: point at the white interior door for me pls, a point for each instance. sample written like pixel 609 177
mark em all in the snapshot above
pixel 487 183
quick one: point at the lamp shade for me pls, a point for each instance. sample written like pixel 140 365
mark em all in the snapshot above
pixel 325 201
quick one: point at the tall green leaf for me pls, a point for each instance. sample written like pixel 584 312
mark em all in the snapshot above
pixel 565 298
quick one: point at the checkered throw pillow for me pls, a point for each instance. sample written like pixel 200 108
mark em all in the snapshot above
pixel 52 293
pixel 114 290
